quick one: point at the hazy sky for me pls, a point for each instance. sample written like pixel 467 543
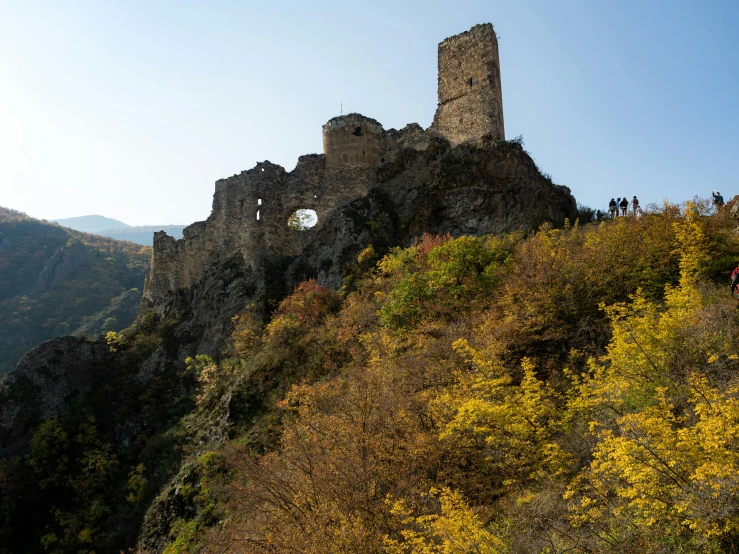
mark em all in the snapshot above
pixel 133 109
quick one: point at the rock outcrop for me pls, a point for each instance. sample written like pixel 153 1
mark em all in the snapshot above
pixel 44 379
pixel 64 264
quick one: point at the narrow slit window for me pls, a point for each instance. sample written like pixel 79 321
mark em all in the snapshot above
pixel 259 201
pixel 257 215
pixel 470 82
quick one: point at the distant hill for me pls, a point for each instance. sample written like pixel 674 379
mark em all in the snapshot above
pixel 142 234
pixel 112 228
pixel 56 281
pixel 91 223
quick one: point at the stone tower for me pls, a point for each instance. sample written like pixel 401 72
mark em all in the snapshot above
pixel 352 139
pixel 470 97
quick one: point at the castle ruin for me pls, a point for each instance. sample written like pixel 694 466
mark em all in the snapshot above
pixel 458 176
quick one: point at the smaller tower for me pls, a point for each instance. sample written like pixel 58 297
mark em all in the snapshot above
pixel 352 139
pixel 470 96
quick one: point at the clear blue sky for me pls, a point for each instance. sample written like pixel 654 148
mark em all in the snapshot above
pixel 133 109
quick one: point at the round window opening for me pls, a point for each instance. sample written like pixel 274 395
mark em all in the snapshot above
pixel 302 220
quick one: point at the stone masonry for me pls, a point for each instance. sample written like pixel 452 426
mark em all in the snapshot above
pixel 352 140
pixel 470 96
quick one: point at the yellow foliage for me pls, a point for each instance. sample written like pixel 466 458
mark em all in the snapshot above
pixel 455 530
pixel 665 467
pixel 667 451
pixel 518 423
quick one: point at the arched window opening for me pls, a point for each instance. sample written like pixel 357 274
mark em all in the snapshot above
pixel 259 201
pixel 302 220
pixel 358 132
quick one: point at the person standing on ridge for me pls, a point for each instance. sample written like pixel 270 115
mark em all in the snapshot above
pixel 635 205
pixel 718 200
pixel 612 207
pixel 624 205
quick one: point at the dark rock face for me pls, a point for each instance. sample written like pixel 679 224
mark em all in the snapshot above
pixel 43 381
pixel 65 262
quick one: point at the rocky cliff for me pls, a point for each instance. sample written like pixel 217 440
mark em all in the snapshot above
pixel 44 379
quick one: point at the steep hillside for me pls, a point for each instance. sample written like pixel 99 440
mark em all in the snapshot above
pixel 570 390
pixel 53 278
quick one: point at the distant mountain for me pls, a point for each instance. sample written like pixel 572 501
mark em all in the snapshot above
pixel 56 281
pixel 112 228
pixel 142 234
pixel 91 223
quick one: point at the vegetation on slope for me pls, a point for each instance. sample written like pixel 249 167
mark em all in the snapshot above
pixel 29 314
pixel 574 390
pixel 571 391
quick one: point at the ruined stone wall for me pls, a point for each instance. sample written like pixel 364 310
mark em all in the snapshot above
pixel 249 220
pixel 470 95
pixel 352 139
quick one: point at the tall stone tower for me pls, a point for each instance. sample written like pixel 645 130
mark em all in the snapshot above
pixel 470 97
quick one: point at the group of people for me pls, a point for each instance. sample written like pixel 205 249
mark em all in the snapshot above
pixel 622 204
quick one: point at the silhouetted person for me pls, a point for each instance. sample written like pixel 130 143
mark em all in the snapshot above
pixel 635 205
pixel 612 207
pixel 624 205
pixel 718 200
